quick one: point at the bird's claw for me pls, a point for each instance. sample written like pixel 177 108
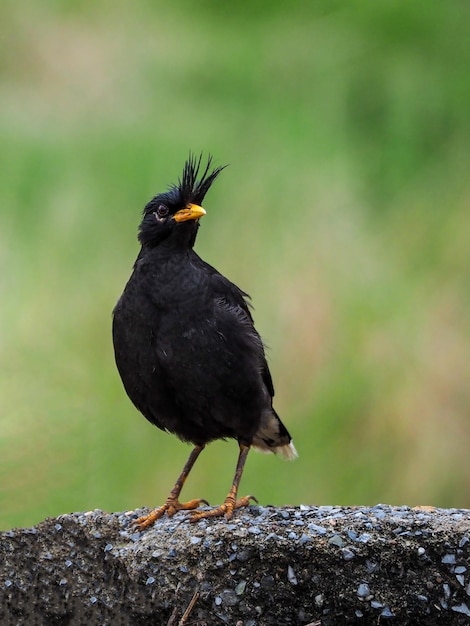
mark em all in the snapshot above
pixel 171 507
pixel 224 510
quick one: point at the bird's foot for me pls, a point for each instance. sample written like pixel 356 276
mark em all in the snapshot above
pixel 226 509
pixel 171 506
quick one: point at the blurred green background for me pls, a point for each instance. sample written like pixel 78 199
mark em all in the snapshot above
pixel 344 213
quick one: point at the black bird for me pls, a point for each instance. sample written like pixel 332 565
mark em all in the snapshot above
pixel 186 348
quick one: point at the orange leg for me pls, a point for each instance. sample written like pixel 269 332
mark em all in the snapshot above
pixel 172 504
pixel 230 503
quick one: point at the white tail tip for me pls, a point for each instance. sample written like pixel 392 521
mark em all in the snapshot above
pixel 288 452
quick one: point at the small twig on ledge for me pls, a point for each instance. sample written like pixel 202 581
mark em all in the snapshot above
pixel 189 608
pixel 173 615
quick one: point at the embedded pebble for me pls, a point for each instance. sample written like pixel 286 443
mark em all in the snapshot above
pixel 229 597
pixel 387 612
pixel 240 588
pixel 244 555
pixel 291 577
pixel 347 554
pixel 318 529
pixel 461 608
pixel 363 590
pixel 273 536
pixel 336 540
pixel 267 582
pixel 448 559
pixel 378 512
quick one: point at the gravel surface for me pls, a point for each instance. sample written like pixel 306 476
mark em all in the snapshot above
pixel 305 565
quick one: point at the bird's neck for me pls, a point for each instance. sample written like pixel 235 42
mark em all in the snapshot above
pixel 160 255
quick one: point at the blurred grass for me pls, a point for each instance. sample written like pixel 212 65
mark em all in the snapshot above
pixel 345 213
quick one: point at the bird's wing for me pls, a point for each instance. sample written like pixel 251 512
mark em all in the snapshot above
pixel 238 300
pixel 223 288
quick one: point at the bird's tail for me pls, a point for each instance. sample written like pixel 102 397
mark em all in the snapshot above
pixel 273 436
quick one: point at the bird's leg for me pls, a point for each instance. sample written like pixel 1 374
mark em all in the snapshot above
pixel 230 503
pixel 172 504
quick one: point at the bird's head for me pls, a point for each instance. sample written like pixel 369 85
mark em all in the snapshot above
pixel 173 216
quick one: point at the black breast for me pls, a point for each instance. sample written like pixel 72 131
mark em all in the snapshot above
pixel 190 360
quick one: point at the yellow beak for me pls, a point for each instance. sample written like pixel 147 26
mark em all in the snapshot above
pixel 191 212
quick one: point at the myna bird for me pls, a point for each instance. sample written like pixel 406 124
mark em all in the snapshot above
pixel 186 347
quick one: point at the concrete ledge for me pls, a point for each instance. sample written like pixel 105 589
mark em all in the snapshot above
pixel 267 566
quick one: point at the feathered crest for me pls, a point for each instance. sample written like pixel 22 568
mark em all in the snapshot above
pixel 189 187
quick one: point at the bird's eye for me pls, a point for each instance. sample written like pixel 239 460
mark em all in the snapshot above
pixel 162 211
